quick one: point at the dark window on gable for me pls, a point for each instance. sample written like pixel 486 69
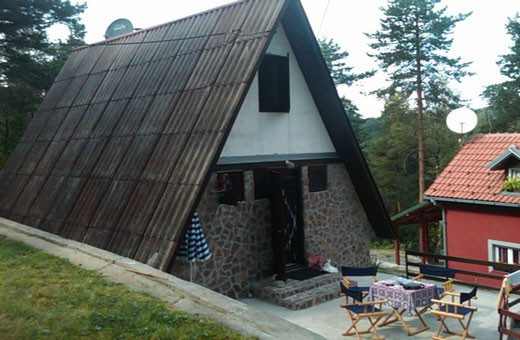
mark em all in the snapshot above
pixel 273 84
pixel 317 178
pixel 230 186
pixel 260 176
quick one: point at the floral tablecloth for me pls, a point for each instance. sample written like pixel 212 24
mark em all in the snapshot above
pixel 399 297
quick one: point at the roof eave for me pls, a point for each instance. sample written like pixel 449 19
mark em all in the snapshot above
pixel 470 201
pixel 424 211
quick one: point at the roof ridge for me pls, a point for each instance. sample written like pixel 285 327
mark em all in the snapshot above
pixel 494 134
pixel 147 29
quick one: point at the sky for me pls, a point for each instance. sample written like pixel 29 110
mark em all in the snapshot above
pixel 481 38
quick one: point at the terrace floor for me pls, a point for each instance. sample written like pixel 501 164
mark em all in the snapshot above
pixel 329 321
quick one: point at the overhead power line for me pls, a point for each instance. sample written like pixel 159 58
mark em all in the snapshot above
pixel 323 17
pixel 116 41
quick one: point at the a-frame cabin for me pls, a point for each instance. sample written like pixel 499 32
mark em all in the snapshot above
pixel 231 113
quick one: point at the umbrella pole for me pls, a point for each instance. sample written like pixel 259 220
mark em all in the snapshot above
pixel 191 271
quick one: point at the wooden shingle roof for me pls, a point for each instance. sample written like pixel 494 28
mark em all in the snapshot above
pixel 467 178
pixel 123 144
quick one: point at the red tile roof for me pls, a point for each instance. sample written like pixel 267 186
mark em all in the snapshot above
pixel 466 177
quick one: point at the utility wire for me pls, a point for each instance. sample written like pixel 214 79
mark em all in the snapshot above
pixel 235 33
pixel 323 17
pixel 115 42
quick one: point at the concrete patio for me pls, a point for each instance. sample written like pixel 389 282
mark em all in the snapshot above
pixel 329 321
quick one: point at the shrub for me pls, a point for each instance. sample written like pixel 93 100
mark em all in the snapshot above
pixel 511 184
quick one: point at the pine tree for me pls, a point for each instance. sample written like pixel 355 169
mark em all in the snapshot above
pixel 392 154
pixel 411 47
pixel 504 98
pixel 29 62
pixel 343 75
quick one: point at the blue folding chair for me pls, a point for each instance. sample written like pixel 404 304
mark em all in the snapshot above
pixel 348 272
pixel 428 270
pixel 372 311
pixel 457 310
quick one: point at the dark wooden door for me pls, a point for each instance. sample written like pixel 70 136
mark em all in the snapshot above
pixel 286 220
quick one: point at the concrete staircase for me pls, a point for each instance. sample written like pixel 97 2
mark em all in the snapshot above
pixel 296 295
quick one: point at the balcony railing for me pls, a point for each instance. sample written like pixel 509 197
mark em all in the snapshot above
pixel 499 269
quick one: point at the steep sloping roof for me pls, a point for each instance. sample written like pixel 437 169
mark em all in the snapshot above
pixel 123 144
pixel 467 178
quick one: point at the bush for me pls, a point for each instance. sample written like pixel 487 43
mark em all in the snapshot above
pixel 511 184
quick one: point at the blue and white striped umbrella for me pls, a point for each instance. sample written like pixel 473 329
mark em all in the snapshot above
pixel 194 246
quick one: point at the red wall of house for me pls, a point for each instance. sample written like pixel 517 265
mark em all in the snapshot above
pixel 468 229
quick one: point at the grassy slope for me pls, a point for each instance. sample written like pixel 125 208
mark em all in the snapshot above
pixel 42 296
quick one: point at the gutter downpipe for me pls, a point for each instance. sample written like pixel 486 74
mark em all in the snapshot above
pixel 443 222
pixel 423 238
pixel 397 255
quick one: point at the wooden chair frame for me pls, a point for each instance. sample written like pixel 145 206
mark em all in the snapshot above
pixel 457 310
pixel 428 270
pixel 371 311
pixel 510 284
pixel 356 272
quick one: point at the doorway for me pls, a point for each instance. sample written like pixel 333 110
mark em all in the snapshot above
pixel 286 219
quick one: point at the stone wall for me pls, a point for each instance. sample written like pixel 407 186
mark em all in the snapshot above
pixel 239 237
pixel 336 226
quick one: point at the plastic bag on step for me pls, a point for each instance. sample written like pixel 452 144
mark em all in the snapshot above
pixel 327 267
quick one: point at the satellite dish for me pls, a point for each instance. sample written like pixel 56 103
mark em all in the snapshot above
pixel 461 120
pixel 119 27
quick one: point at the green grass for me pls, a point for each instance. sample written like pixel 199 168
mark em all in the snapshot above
pixel 45 297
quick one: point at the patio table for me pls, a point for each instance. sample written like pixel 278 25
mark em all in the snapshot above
pixel 402 299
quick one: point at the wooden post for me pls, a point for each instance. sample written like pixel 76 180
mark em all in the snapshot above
pixel 396 252
pixel 423 238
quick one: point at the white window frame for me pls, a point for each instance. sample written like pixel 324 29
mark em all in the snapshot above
pixel 493 250
pixel 513 172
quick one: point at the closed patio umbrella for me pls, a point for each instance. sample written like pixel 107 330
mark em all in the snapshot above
pixel 194 246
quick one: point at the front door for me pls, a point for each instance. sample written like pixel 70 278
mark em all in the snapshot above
pixel 285 196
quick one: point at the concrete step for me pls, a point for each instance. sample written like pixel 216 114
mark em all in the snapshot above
pixel 311 297
pixel 294 294
pixel 267 288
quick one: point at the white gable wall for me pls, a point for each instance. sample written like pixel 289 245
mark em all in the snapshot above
pixel 301 131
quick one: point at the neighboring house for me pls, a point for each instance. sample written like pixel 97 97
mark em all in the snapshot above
pixel 230 113
pixel 481 219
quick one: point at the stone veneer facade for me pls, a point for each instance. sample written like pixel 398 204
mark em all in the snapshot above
pixel 335 224
pixel 239 237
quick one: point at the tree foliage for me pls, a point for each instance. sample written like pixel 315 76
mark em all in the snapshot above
pixel 29 61
pixel 411 46
pixel 392 154
pixel 504 98
pixel 343 75
pixel 336 58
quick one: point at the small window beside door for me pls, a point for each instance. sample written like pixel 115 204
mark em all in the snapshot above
pixel 260 177
pixel 230 187
pixel 317 178
pixel 273 84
